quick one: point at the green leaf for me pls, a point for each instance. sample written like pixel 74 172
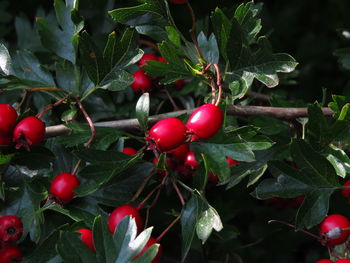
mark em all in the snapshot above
pixel 209 47
pixel 116 80
pixel 38 157
pixel 142 110
pixel 68 77
pixel 208 221
pixel 190 215
pixel 339 159
pixel 343 55
pixel 317 125
pixel 5 61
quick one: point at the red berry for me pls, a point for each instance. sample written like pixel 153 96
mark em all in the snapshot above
pixel 8 117
pixel 29 132
pixel 10 254
pixel 166 134
pixel 325 261
pixel 147 57
pixel 161 59
pixel 118 215
pixel 86 237
pixel 344 260
pixel 11 228
pixel 231 161
pixel 178 2
pixel 151 241
pixel 142 82
pixel 62 187
pixel 5 140
pixel 205 122
pixel 212 178
pixel 191 161
pixel 179 153
pixel 129 151
pixel 332 228
pixel 179 84
pixel 346 191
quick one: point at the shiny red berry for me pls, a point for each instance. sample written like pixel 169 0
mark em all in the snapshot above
pixel 151 241
pixel 166 134
pixel 191 161
pixel 343 260
pixel 129 151
pixel 231 161
pixel 5 140
pixel 29 132
pixel 142 82
pixel 205 122
pixel 325 261
pixel 10 254
pixel 86 237
pixel 62 187
pixel 179 153
pixel 212 178
pixel 118 215
pixel 161 59
pixel 335 230
pixel 178 2
pixel 147 57
pixel 8 117
pixel 179 84
pixel 11 228
pixel 346 191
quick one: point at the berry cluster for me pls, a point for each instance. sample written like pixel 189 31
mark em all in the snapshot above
pixel 29 131
pixel 11 229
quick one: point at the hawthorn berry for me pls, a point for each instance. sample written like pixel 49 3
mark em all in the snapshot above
pixel 336 229
pixel 86 238
pixel 10 254
pixel 179 84
pixel 11 228
pixel 343 260
pixel 324 261
pixel 142 82
pixel 166 134
pixel 147 57
pixel 62 187
pixel 178 2
pixel 29 132
pixel 151 241
pixel 118 215
pixel 129 151
pixel 346 191
pixel 8 117
pixel 179 153
pixel 231 161
pixel 161 59
pixel 5 140
pixel 205 122
pixel 191 161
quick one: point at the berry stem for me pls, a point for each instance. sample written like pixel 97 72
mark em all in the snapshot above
pixel 175 107
pixel 149 44
pixel 148 196
pixel 182 201
pixel 76 168
pixel 293 226
pixel 50 107
pixel 142 186
pixel 88 119
pixel 168 228
pixel 218 83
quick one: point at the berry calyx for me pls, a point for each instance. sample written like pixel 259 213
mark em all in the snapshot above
pixel 179 153
pixel 324 261
pixel 335 229
pixel 151 241
pixel 8 117
pixel 10 254
pixel 86 238
pixel 205 122
pixel 191 161
pixel 5 140
pixel 142 82
pixel 62 187
pixel 29 132
pixel 118 215
pixel 178 2
pixel 166 134
pixel 147 57
pixel 346 191
pixel 11 228
pixel 129 151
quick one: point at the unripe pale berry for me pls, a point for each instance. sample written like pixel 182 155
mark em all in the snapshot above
pixel 205 122
pixel 142 82
pixel 29 132
pixel 166 134
pixel 118 215
pixel 10 254
pixel 129 151
pixel 147 57
pixel 11 228
pixel 151 241
pixel 8 117
pixel 86 238
pixel 62 187
pixel 332 227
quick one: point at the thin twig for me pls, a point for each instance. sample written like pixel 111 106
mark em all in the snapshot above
pixel 177 190
pixel 88 119
pixel 76 168
pixel 142 186
pixel 293 226
pixel 168 228
pixel 50 107
pixel 149 44
pixel 218 83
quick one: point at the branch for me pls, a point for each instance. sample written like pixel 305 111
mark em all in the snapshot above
pixel 132 124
